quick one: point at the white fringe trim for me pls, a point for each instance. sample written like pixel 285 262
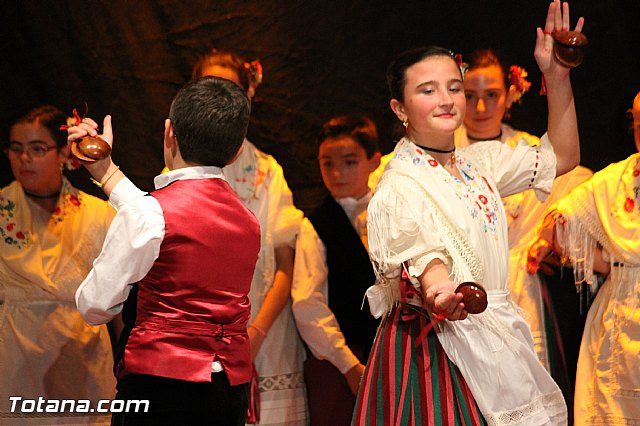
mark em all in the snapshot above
pixel 580 235
pixel 466 266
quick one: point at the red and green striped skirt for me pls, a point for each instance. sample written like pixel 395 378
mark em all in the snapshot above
pixel 409 380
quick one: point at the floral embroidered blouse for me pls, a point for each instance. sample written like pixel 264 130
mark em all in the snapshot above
pixel 415 189
pixel 43 259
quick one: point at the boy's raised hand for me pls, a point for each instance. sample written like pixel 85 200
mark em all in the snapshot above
pixel 89 127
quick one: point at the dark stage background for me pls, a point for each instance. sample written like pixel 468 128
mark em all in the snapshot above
pixel 320 58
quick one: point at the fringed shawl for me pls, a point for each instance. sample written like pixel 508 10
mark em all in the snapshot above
pixel 603 211
pixel 413 202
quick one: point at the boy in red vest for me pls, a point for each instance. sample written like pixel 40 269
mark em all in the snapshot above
pixel 178 263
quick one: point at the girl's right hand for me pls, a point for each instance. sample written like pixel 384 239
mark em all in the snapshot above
pixel 443 302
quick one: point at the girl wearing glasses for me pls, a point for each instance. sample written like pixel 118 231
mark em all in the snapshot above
pixel 50 232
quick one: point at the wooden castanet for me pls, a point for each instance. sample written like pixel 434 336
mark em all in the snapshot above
pixel 474 297
pixel 569 47
pixel 90 149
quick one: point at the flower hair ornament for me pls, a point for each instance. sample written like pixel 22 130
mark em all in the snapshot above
pixel 72 162
pixel 254 73
pixel 517 79
pixel 462 65
pixel 89 148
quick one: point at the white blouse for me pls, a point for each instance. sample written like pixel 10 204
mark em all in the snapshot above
pixel 421 212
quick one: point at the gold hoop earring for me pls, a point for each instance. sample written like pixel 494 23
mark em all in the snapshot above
pixel 405 123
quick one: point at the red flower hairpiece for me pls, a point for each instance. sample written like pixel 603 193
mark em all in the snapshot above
pixel 73 163
pixel 517 78
pixel 76 119
pixel 254 72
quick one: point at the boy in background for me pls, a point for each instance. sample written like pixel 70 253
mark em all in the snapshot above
pixel 332 271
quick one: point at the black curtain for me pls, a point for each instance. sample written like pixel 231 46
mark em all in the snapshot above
pixel 320 58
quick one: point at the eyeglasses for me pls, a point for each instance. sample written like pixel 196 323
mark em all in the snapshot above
pixel 34 150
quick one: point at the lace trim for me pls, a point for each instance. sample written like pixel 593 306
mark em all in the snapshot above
pixel 539 405
pixel 417 267
pixel 281 382
pixel 613 420
pixel 546 166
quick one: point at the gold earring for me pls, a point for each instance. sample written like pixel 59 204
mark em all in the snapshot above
pixel 405 123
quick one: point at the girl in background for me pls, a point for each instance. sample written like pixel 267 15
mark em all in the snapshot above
pixel 259 182
pixel 491 91
pixel 50 233
pixel 596 228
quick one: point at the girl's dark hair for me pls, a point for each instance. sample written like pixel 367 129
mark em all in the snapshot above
pixel 49 117
pixel 358 127
pixel 225 59
pixel 397 69
pixel 483 58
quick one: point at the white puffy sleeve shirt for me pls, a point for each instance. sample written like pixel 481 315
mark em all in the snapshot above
pixel 316 322
pixel 401 220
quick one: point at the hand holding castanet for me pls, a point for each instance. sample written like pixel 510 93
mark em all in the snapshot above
pixel 569 47
pixel 89 147
pixel 474 297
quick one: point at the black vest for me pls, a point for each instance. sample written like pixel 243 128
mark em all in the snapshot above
pixel 350 274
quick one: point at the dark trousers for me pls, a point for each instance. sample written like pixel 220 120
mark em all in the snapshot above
pixel 566 304
pixel 178 402
pixel 331 402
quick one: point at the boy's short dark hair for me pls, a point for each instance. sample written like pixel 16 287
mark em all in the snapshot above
pixel 358 127
pixel 210 116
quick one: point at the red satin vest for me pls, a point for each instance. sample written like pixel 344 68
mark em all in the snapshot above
pixel 193 306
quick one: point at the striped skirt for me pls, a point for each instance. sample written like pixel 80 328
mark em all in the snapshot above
pixel 409 380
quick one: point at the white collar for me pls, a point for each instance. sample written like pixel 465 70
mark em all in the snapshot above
pixel 353 206
pixel 195 172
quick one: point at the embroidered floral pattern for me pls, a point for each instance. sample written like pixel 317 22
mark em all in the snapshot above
pixel 248 173
pixel 12 234
pixel 475 190
pixel 634 202
pixel 9 231
pixel 68 201
pixel 629 194
pixel 251 176
pixel 628 205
